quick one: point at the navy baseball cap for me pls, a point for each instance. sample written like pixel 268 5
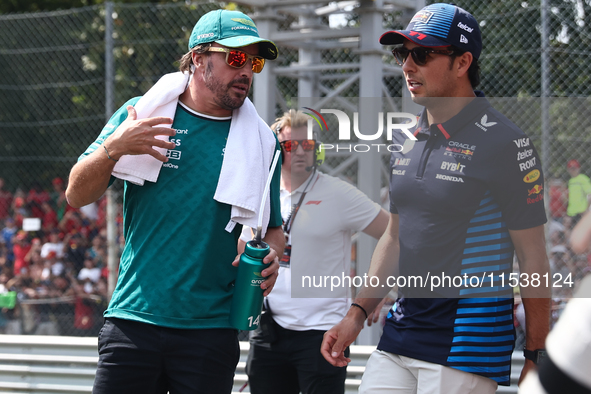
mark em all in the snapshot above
pixel 440 25
pixel 232 29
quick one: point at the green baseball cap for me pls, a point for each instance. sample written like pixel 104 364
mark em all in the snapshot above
pixel 231 29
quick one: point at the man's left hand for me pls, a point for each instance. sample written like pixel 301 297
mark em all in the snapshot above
pixel 270 273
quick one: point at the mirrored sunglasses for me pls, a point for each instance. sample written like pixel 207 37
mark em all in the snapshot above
pixel 292 145
pixel 237 59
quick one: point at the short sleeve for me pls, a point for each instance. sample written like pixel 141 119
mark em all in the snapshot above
pixel 519 184
pixel 118 117
pixel 357 210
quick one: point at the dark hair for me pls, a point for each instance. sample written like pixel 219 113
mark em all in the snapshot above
pixel 473 70
pixel 187 60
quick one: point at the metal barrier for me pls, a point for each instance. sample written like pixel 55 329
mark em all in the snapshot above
pixel 58 364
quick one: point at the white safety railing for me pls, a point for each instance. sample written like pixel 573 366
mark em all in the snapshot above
pixel 57 364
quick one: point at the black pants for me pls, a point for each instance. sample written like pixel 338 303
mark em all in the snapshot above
pixel 142 358
pixel 293 363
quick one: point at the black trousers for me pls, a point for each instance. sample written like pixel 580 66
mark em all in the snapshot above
pixel 142 358
pixel 293 364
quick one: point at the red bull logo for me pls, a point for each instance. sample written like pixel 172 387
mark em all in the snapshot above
pixel 535 190
pixel 467 152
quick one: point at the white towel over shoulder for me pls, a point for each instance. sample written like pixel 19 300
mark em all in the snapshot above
pixel 160 100
pixel 247 157
pixel 247 160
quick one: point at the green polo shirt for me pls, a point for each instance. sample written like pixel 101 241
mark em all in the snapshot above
pixel 175 269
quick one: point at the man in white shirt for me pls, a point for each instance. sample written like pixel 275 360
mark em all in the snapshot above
pixel 53 245
pixel 320 214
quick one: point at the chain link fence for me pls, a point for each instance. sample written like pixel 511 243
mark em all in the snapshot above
pixel 57 89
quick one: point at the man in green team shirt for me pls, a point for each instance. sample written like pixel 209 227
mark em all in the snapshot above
pixel 167 326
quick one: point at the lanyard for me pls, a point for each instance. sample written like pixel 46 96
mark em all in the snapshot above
pixel 296 208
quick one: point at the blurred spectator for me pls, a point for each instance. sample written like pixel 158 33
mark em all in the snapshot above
pixel 581 236
pixel 58 197
pixel 71 222
pixel 63 312
pixel 36 197
pixel 33 257
pixel 49 220
pixel 75 250
pixel 20 248
pixel 98 250
pixel 8 233
pixel 89 275
pixel 19 208
pixel 562 270
pixel 84 311
pixel 5 201
pixel 90 211
pixel 54 244
pixel 558 194
pixel 56 266
pixel 579 191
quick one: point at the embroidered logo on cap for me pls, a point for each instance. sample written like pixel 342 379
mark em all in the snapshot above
pixel 244 21
pixel 422 16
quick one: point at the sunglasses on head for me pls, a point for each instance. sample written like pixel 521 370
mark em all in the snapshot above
pixel 419 54
pixel 292 145
pixel 237 59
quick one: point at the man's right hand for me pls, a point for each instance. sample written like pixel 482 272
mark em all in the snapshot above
pixel 339 337
pixel 138 137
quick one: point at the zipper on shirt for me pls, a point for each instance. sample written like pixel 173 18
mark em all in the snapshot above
pixel 427 152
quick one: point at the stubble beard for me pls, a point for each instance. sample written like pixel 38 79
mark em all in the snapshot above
pixel 221 95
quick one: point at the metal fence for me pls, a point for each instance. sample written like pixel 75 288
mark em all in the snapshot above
pixel 63 73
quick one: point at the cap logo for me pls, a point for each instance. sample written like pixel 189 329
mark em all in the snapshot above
pixel 465 27
pixel 207 35
pixel 422 16
pixel 463 39
pixel 244 21
pixel 420 36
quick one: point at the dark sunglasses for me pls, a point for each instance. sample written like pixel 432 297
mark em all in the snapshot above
pixel 292 145
pixel 419 54
pixel 237 59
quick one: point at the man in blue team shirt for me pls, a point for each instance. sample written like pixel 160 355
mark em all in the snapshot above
pixel 465 197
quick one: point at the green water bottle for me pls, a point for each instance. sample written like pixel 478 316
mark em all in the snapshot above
pixel 247 302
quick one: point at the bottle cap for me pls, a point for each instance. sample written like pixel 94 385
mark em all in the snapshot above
pixel 256 249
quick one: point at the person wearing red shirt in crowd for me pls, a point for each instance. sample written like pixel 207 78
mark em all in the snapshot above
pixel 49 220
pixel 71 222
pixel 58 196
pixel 19 208
pixel 20 247
pixel 558 194
pixel 36 197
pixel 5 201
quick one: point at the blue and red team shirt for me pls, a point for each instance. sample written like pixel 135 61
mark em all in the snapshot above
pixel 458 190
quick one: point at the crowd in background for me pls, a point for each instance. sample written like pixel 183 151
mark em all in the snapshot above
pixel 54 259
pixel 567 201
pixel 59 269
